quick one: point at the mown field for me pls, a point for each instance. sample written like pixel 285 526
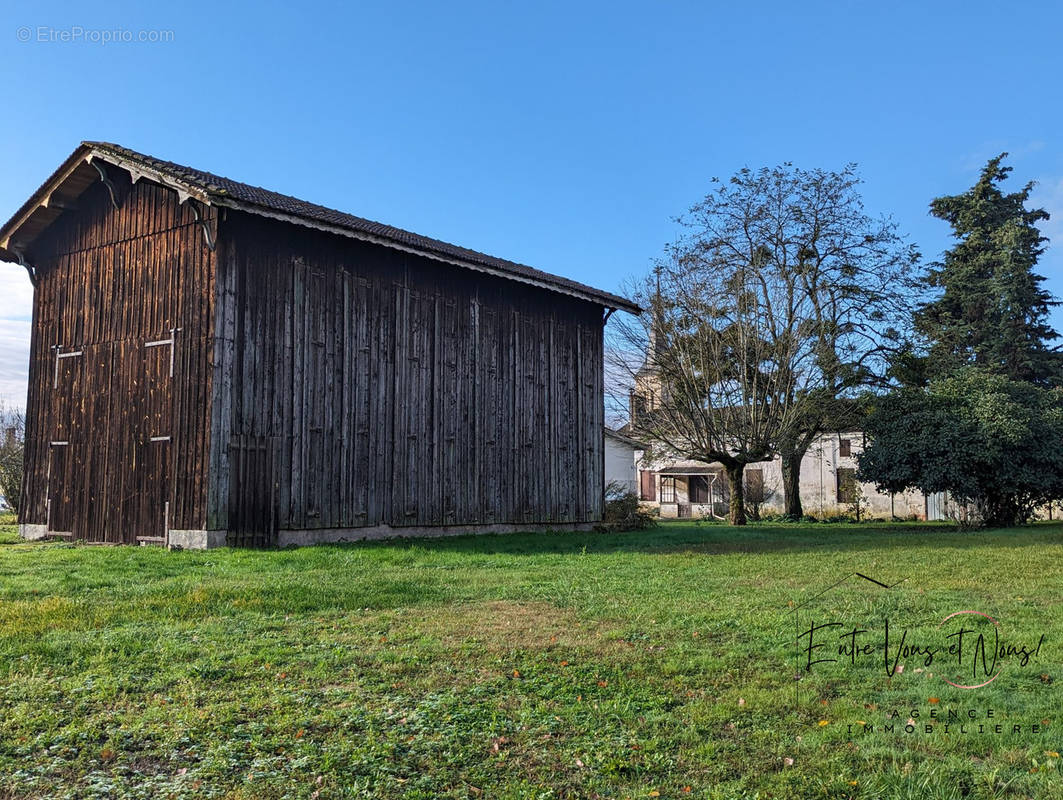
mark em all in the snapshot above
pixel 655 664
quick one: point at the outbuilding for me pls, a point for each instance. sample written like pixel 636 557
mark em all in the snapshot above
pixel 214 363
pixel 621 456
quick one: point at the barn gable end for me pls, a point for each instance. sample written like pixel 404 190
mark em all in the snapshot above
pixel 332 378
pixel 116 438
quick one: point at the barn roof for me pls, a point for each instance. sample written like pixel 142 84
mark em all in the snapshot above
pixel 77 173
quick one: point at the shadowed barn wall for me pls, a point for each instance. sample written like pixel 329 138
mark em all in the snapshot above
pixel 360 387
pixel 116 440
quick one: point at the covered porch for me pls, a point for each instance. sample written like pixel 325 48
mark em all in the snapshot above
pixel 693 491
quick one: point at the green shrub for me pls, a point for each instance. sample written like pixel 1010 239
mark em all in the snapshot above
pixel 776 518
pixel 623 512
pixel 836 518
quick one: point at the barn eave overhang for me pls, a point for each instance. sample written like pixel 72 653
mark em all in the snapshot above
pixel 609 303
pixel 61 191
pixel 88 164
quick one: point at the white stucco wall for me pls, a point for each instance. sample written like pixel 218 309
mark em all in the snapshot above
pixel 819 483
pixel 620 463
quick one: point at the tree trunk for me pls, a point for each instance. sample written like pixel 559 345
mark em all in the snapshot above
pixel 734 482
pixel 791 485
pixel 997 512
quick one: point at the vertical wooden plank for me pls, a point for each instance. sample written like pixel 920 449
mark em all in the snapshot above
pixel 444 398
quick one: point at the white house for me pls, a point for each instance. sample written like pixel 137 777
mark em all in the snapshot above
pixel 621 456
pixel 828 485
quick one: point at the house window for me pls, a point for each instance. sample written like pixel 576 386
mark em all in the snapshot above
pixel 647 489
pixel 754 485
pixel 699 488
pixel 845 448
pixel 667 488
pixel 846 485
pixel 638 406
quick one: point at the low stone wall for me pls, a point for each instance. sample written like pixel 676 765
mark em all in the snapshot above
pixel 202 540
pixel 206 540
pixel 197 540
pixel 32 532
pixel 287 538
pixel 697 510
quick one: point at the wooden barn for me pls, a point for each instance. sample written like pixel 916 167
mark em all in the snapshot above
pixel 213 363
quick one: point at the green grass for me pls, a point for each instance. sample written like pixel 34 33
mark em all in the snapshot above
pixel 8 528
pixel 526 666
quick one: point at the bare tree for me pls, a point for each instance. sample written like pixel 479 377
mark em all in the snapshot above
pixel 717 382
pixel 854 277
pixel 12 437
pixel 758 492
pixel 782 299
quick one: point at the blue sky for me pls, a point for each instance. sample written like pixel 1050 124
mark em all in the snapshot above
pixel 563 135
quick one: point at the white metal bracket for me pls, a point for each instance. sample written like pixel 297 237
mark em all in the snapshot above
pixel 58 355
pixel 172 342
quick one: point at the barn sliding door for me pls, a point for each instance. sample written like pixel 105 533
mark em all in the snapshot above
pixel 149 511
pixel 61 488
pixel 66 489
pixel 252 492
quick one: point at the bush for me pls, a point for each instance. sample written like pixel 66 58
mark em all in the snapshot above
pixel 832 519
pixel 777 517
pixel 623 511
pixel 11 443
pixel 991 443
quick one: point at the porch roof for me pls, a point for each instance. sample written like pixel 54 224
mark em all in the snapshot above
pixel 690 471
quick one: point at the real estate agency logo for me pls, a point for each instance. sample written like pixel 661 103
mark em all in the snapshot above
pixel 967 649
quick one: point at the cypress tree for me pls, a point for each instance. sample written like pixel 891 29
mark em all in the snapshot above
pixel 992 312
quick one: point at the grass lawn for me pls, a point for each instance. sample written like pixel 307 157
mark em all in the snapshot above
pixel 8 529
pixel 656 664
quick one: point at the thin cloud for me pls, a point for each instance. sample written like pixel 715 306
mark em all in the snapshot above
pixel 974 161
pixel 16 312
pixel 1048 194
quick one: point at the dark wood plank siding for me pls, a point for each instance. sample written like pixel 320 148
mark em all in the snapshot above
pixel 111 281
pixel 393 389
